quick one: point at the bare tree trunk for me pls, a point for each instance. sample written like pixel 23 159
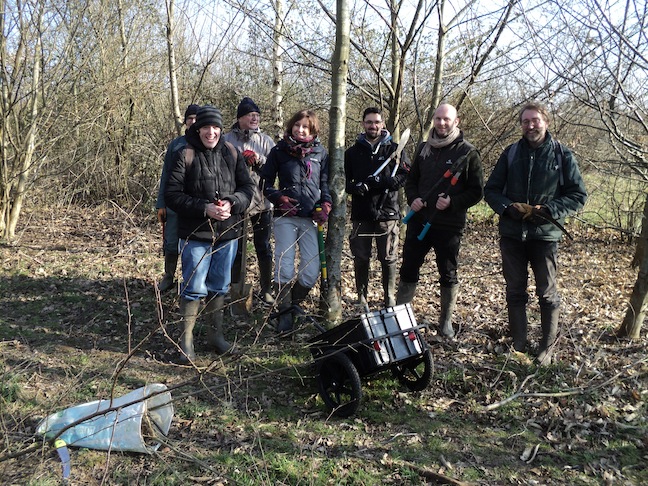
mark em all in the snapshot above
pixel 337 120
pixel 438 71
pixel 633 320
pixel 642 243
pixel 122 156
pixel 396 95
pixel 23 156
pixel 5 178
pixel 277 70
pixel 173 79
pixel 28 152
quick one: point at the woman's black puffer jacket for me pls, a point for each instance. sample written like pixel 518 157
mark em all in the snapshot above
pixel 305 180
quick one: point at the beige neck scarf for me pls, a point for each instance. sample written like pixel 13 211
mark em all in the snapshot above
pixel 435 142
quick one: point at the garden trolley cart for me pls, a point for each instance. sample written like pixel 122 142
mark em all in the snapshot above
pixel 374 342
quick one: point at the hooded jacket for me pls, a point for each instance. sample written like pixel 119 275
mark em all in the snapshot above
pixel 360 161
pixel 261 144
pixel 305 180
pixel 533 177
pixel 427 171
pixel 213 173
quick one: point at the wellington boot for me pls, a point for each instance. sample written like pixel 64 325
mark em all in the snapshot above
pixel 189 312
pixel 406 291
pixel 389 283
pixel 448 304
pixel 549 322
pixel 265 277
pixel 170 264
pixel 215 318
pixel 517 318
pixel 299 294
pixel 361 270
pixel 284 304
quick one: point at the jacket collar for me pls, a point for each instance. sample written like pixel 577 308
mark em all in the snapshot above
pixel 384 139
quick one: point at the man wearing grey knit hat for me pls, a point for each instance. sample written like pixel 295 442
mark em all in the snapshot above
pixel 210 189
pixel 255 145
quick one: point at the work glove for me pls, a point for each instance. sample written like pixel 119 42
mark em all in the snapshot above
pixel 512 212
pixel 251 158
pixel 374 181
pixel 321 214
pixel 287 205
pixel 360 189
pixel 539 215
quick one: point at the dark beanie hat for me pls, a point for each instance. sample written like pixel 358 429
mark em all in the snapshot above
pixel 208 115
pixel 246 106
pixel 191 110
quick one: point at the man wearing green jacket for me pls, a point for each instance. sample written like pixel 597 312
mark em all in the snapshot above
pixel 535 184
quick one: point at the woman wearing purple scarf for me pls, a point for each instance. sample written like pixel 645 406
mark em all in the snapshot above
pixel 298 164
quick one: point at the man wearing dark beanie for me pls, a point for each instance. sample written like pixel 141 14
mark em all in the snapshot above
pixel 167 217
pixel 255 145
pixel 247 106
pixel 210 188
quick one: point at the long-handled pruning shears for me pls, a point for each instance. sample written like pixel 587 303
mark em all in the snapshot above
pixel 452 177
pixel 395 155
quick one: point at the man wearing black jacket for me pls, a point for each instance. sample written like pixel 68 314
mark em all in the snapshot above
pixel 374 203
pixel 443 206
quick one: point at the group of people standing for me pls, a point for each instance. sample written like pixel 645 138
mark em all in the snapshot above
pixel 210 181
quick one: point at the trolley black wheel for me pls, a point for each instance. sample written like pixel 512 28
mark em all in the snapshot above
pixel 415 374
pixel 339 384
